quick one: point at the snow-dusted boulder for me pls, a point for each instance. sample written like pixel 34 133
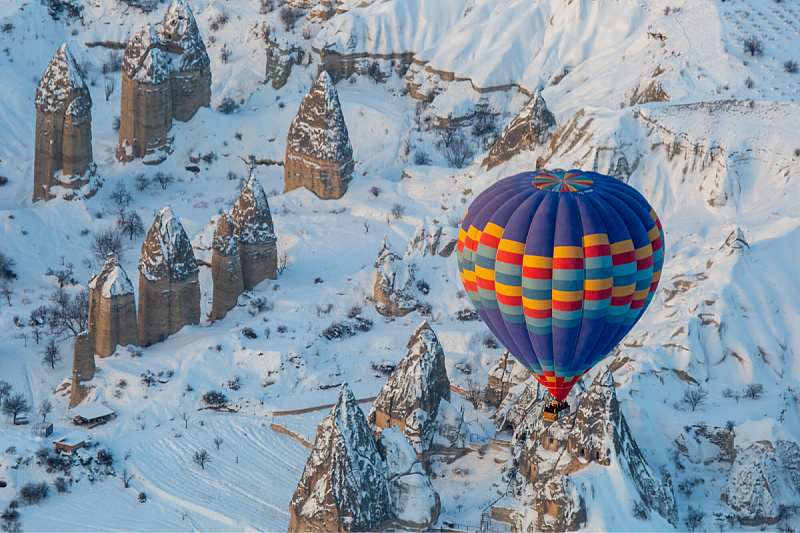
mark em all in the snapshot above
pixel 112 309
pixel 226 269
pixel 412 395
pixel 255 235
pixel 343 486
pixel 415 504
pixel 169 292
pixel 319 156
pixel 63 152
pixel 394 284
pixel 531 127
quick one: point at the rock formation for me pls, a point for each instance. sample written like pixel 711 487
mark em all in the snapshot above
pixel 112 309
pixel 169 293
pixel 394 284
pixel 83 368
pixel 190 78
pixel 281 56
pixel 318 152
pixel 415 504
pixel 411 397
pixel 146 100
pixel 255 235
pixel 63 153
pixel 531 127
pixel 505 374
pixel 595 433
pixel 433 240
pixel 226 269
pixel 343 486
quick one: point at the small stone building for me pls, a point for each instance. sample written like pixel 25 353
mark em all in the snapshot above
pixel 63 152
pixel 319 156
pixel 112 309
pixel 226 269
pixel 83 368
pixel 255 235
pixel 169 292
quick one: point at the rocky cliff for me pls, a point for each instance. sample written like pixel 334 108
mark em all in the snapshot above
pixel 506 373
pixel 63 152
pixel 83 368
pixel 343 486
pixel 319 156
pixel 112 309
pixel 432 240
pixel 393 291
pixel 281 57
pixel 169 292
pixel 255 235
pixel 226 269
pixel 531 127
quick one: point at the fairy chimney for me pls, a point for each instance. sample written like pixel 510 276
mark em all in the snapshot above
pixel 531 127
pixel 226 269
pixel 319 156
pixel 393 291
pixel 146 101
pixel 112 309
pixel 169 293
pixel 63 153
pixel 255 235
pixel 83 368
pixel 190 78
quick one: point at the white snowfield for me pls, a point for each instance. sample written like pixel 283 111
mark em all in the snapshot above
pixel 719 157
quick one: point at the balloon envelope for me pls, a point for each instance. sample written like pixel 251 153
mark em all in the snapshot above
pixel 560 265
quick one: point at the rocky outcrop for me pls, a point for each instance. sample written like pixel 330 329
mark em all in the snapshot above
pixel 343 486
pixel 83 368
pixel 112 309
pixel 433 240
pixel 393 292
pixel 505 374
pixel 596 432
pixel 415 504
pixel 169 292
pixel 519 403
pixel 190 78
pixel 318 152
pixel 281 57
pixel 63 153
pixel 411 396
pixel 255 235
pixel 530 128
pixel 226 269
pixel 146 100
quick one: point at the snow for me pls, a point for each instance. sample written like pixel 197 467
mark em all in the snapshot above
pixel 58 87
pixel 92 410
pixel 167 250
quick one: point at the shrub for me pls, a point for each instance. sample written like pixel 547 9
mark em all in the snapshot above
pixel 163 179
pixel 225 54
pixel 289 17
pixel 215 399
pixel 753 47
pixel 354 311
pixel 3 180
pixel 423 287
pixel 61 484
pixel 421 158
pixel 791 66
pixel 749 82
pixel 425 310
pixel 7 268
pixel 220 20
pixel 113 64
pixel 141 182
pixel 458 152
pixel 490 342
pixel 248 333
pixel 375 191
pixel 753 391
pixel 142 498
pixel 115 123
pixel 467 315
pixel 259 305
pixel 338 330
pixel 31 493
pixel 398 211
pixel 235 383
pixel 363 324
pixel 227 106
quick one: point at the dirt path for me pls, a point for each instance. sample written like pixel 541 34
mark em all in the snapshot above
pixel 317 408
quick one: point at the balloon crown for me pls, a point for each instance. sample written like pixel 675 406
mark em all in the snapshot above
pixel 562 181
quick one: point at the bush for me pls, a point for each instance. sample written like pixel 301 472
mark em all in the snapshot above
pixel 421 158
pixel 104 458
pixel 67 8
pixel 227 106
pixel 749 82
pixel 490 342
pixel 145 6
pixel 375 191
pixel 458 152
pixel 753 391
pixel 3 180
pixel 791 66
pixel 219 21
pixel 423 287
pixel 753 47
pixel 363 324
pixel 467 315
pixel 215 399
pixel 289 16
pixel 31 493
pixel 225 54
pixel 248 333
pixel 398 211
pixel 7 268
pixel 386 368
pixel 235 383
pixel 259 305
pixel 61 484
pixel 425 310
pixel 113 64
pixel 338 330
pixel 141 182
pixel 142 498
pixel 163 179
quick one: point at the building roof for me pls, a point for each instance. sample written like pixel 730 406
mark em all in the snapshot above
pixel 92 410
pixel 74 438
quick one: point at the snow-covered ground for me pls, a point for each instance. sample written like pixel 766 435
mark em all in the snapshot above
pixel 720 154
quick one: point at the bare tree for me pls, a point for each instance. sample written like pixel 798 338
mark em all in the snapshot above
pixel 69 314
pixel 458 152
pixel 753 391
pixel 120 195
pixel 126 478
pixel 163 179
pixel 202 457
pixel 110 85
pixel 218 442
pixel 131 225
pixel 15 405
pixel 107 241
pixel 45 408
pixel 185 417
pixel 694 396
pixel 7 268
pixel 284 260
pixel 50 355
pixel 694 519
pixel 5 389
pixel 5 291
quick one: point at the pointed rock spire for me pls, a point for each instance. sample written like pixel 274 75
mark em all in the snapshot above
pixel 112 309
pixel 394 287
pixel 530 128
pixel 167 252
pixel 255 235
pixel 318 151
pixel 226 269
pixel 343 486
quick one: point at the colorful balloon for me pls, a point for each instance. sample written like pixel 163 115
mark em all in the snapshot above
pixel 560 265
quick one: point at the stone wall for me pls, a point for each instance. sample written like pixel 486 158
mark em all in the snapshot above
pixel 83 368
pixel 166 306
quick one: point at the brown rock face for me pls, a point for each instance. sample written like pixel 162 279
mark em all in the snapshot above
pixel 63 129
pixel 83 368
pixel 531 127
pixel 169 293
pixel 112 309
pixel 255 235
pixel 319 156
pixel 226 269
pixel 507 373
pixel 393 291
pixel 281 56
pixel 146 100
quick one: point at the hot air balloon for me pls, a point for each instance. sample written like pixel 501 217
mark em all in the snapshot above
pixel 560 265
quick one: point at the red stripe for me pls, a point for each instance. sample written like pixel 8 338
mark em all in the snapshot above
pixel 537 273
pixel 644 264
pixel 468 243
pixel 567 306
pixel 623 258
pixel 598 250
pixel 490 240
pixel 601 294
pixel 621 301
pixel 638 304
pixel 509 300
pixel 487 284
pixel 568 263
pixel 510 258
pixel 460 246
pixel 539 313
pixel 653 286
pixel 657 244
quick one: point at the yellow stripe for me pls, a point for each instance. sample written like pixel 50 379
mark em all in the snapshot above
pixel 598 284
pixel 484 273
pixel 642 294
pixel 654 233
pixel 537 261
pixel 494 230
pixel 595 239
pixel 474 233
pixel 511 246
pixel 538 305
pixel 469 275
pixel 567 296
pixel 567 251
pixel 551 379
pixel 623 291
pixel 508 290
pixel 622 246
pixel 644 251
pixel 657 276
